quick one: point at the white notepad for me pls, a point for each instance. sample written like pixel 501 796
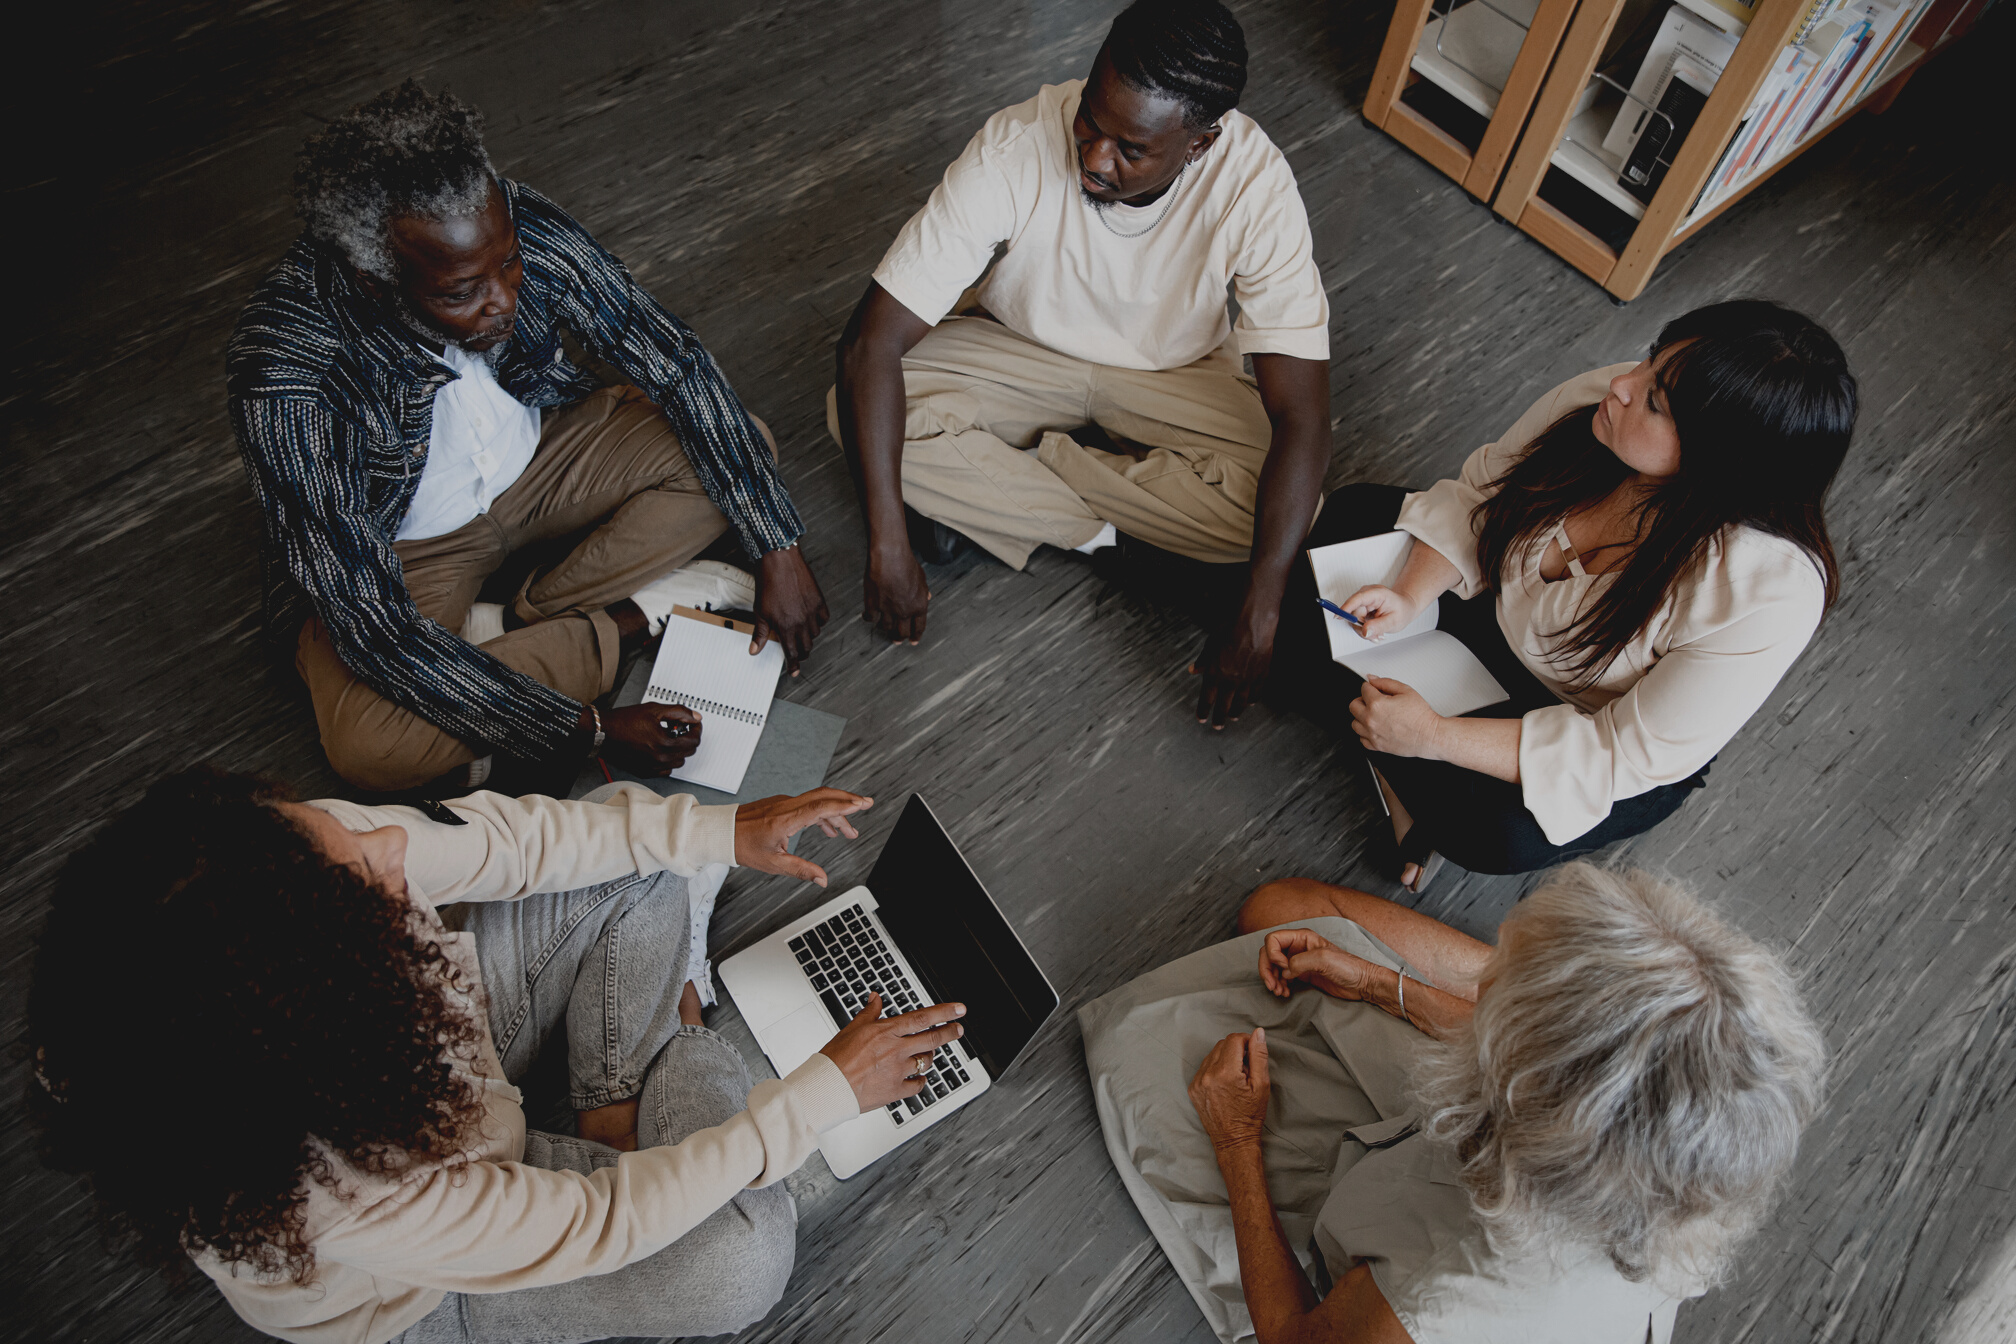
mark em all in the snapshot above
pixel 1434 662
pixel 705 665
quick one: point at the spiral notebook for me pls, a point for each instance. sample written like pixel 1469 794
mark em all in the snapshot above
pixel 1434 662
pixel 704 664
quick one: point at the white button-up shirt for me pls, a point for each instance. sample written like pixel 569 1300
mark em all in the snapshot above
pixel 482 440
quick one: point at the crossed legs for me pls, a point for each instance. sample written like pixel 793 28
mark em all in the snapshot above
pixel 987 448
pixel 602 967
pixel 611 463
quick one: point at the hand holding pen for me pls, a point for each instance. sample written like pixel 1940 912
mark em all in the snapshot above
pixel 1336 610
pixel 680 727
pixel 1373 611
pixel 651 739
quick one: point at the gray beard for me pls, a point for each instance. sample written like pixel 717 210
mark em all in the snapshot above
pixel 428 331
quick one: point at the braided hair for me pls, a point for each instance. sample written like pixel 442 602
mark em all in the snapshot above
pixel 1191 50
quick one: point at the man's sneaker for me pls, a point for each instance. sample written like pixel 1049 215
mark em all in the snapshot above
pixel 932 541
pixel 705 585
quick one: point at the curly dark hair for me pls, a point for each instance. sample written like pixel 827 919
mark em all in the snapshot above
pixel 404 152
pixel 202 952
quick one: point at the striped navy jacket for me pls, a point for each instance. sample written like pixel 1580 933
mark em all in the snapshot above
pixel 333 405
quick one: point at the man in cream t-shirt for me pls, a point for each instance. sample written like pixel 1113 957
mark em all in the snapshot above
pixel 1117 212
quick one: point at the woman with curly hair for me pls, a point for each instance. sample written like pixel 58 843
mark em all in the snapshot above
pixel 1638 561
pixel 1559 1138
pixel 376 1178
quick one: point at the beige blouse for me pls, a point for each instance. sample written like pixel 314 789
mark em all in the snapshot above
pixel 1678 692
pixel 385 1255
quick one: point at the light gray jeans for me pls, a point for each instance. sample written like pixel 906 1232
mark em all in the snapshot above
pixel 606 965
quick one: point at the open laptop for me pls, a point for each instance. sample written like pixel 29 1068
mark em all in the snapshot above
pixel 923 930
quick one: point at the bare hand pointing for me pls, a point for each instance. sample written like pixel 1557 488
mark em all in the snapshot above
pixel 763 829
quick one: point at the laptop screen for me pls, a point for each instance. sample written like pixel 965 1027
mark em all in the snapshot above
pixel 957 939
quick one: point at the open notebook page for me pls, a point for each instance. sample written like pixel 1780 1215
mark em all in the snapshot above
pixel 1434 662
pixel 704 664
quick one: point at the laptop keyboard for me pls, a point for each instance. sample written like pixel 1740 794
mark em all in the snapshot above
pixel 847 960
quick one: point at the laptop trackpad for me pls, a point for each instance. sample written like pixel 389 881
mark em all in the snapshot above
pixel 797 1037
pixel 767 984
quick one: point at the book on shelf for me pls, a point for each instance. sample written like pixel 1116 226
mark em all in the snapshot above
pixel 1848 53
pixel 1768 112
pixel 1682 35
pixel 1766 109
pixel 1680 103
pixel 1735 9
pixel 1817 13
pixel 1794 66
pixel 1844 52
pixel 1885 46
pixel 1833 45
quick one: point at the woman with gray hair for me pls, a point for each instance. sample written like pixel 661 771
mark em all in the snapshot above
pixel 1559 1138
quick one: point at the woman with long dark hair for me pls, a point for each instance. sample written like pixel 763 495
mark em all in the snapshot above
pixel 327 1072
pixel 1638 561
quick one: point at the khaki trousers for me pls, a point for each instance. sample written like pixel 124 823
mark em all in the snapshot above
pixel 613 460
pixel 979 395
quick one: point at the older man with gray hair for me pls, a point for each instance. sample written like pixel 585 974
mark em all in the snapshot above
pixel 409 420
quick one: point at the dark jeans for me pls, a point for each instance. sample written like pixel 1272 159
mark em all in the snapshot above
pixel 1474 820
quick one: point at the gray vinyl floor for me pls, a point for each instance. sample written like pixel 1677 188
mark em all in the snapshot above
pixel 751 161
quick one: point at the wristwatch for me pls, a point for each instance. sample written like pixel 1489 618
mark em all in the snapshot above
pixel 600 736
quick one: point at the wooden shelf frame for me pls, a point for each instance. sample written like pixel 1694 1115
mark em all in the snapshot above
pixel 1876 101
pixel 1476 173
pixel 1665 224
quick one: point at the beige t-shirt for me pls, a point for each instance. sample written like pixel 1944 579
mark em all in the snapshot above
pixel 1678 692
pixel 1066 281
pixel 385 1255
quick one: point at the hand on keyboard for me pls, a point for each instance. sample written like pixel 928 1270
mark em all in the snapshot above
pixel 884 1057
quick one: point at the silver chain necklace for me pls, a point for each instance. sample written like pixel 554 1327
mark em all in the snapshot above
pixel 1099 208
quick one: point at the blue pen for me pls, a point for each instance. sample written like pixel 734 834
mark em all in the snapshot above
pixel 1336 610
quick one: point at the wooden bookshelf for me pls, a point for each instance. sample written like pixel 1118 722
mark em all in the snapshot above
pixel 1875 100
pixel 1574 105
pixel 1475 54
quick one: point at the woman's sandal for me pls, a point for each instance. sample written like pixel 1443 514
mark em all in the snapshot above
pixel 1429 867
pixel 1392 857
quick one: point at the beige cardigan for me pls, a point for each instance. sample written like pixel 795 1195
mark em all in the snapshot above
pixel 385 1256
pixel 1678 692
